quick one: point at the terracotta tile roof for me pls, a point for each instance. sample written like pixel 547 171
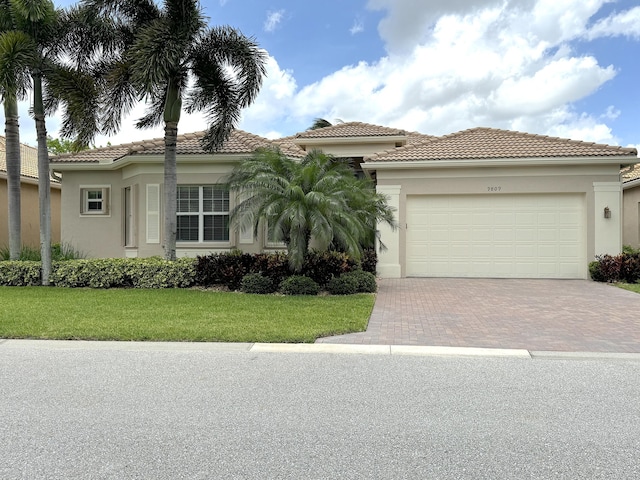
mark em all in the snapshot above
pixel 417 137
pixel 632 175
pixel 28 160
pixel 239 142
pixel 351 129
pixel 481 143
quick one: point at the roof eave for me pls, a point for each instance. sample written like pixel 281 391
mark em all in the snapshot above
pixel 631 184
pixel 150 159
pixel 349 140
pixel 498 162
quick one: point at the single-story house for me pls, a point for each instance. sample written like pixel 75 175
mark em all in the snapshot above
pixel 29 204
pixel 477 203
pixel 631 202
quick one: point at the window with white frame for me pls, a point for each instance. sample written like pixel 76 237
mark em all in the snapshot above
pixel 94 200
pixel 270 238
pixel 203 214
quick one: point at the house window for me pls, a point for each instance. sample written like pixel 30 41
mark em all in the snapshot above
pixel 203 214
pixel 271 241
pixel 94 200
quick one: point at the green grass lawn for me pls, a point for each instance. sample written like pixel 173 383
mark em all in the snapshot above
pixel 634 287
pixel 176 315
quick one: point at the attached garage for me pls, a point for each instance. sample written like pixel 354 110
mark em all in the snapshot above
pixel 499 236
pixel 492 203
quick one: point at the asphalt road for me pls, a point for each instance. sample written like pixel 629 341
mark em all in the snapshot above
pixel 172 412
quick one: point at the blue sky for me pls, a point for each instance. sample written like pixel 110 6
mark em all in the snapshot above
pixel 565 68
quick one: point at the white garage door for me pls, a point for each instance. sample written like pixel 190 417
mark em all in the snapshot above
pixel 500 236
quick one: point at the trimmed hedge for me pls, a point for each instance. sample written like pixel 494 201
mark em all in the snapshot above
pixel 19 273
pixel 104 273
pixel 227 269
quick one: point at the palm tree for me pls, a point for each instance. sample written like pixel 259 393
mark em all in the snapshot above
pixel 15 52
pixel 322 123
pixel 170 58
pixel 318 199
pixel 33 48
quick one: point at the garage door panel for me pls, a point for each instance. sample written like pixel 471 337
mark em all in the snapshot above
pixel 525 236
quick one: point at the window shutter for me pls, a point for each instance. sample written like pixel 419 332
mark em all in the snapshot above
pixel 153 213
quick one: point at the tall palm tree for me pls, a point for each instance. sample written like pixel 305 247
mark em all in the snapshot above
pixel 170 58
pixel 318 199
pixel 16 50
pixel 35 44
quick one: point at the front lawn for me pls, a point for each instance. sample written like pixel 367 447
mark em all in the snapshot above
pixel 634 287
pixel 176 315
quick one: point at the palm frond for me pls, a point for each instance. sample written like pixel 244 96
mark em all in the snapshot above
pixel 17 55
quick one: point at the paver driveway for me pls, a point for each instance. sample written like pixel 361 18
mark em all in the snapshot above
pixel 556 315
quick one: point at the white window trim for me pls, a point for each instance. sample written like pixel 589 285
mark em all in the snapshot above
pixel 268 243
pixel 106 201
pixel 201 214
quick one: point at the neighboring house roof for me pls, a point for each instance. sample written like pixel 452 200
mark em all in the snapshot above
pixel 485 143
pixel 239 142
pixel 28 160
pixel 631 175
pixel 352 129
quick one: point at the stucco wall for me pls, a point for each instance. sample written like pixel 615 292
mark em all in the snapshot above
pixel 103 236
pixel 30 217
pixel 631 217
pixel 500 181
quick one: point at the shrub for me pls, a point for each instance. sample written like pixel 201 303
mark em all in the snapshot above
pixel 342 285
pixel 595 272
pixel 366 282
pixel 124 272
pixel 257 283
pixel 19 273
pixel 630 267
pixel 273 265
pixel 223 269
pixel 159 273
pixel 621 268
pixel 369 260
pixel 322 266
pixel 299 285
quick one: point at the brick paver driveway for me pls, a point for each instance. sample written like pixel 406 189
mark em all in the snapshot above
pixel 556 315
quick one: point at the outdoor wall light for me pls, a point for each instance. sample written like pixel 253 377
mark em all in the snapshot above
pixel 607 212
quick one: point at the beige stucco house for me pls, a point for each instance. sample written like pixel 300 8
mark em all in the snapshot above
pixel 631 202
pixel 29 206
pixel 477 203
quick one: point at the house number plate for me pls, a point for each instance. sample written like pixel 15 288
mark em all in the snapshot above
pixel 494 189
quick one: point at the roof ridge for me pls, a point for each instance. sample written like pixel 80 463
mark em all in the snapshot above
pixel 548 138
pixel 343 125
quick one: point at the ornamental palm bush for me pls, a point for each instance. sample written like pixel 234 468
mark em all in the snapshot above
pixel 316 198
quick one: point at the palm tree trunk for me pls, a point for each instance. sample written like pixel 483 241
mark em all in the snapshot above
pixel 44 182
pixel 172 110
pixel 12 148
pixel 170 190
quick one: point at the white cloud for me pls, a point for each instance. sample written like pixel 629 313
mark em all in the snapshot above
pixel 273 20
pixel 357 27
pixel 456 64
pixel 505 65
pixel 621 24
pixel 277 91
